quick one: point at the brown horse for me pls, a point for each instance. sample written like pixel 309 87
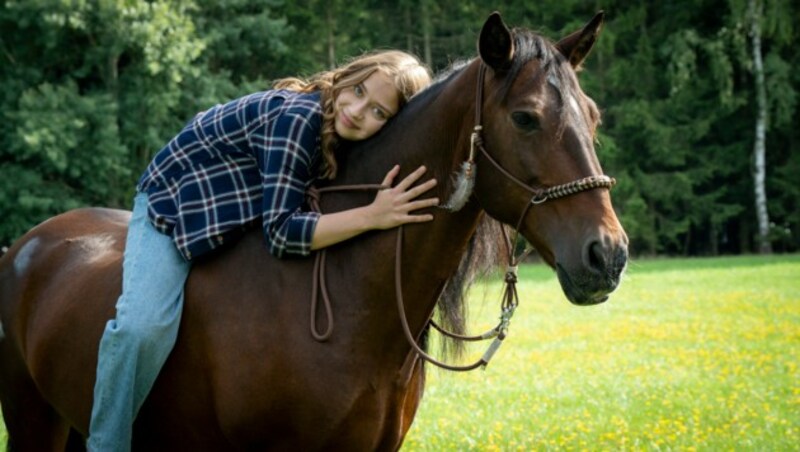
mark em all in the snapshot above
pixel 246 373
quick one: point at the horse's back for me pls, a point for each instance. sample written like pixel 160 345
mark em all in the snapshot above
pixel 47 279
pixel 244 370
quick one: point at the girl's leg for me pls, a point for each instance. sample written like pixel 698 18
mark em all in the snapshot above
pixel 136 343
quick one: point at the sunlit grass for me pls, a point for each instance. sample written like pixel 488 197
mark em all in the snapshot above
pixel 697 354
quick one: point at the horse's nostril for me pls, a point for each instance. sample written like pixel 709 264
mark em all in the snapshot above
pixel 596 257
pixel 620 259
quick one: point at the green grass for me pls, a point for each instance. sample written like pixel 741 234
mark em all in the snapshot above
pixel 689 354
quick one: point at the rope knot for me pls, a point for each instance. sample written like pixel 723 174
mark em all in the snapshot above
pixel 477 137
pixel 511 277
pixel 475 141
pixel 313 197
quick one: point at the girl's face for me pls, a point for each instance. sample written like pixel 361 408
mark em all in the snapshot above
pixel 362 110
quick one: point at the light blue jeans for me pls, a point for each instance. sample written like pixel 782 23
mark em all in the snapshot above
pixel 136 343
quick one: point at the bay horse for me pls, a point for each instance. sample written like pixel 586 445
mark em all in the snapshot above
pixel 245 372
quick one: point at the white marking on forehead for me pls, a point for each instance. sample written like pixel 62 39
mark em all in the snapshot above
pixel 579 115
pixel 573 103
pixel 553 80
pixel 23 258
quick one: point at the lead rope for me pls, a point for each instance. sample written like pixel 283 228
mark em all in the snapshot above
pixel 498 333
pixel 319 287
pixel 510 298
pixel 318 283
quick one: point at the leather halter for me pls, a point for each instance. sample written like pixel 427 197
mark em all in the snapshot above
pixel 510 296
pixel 539 195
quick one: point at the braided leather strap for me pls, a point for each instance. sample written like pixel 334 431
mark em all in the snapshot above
pixel 587 183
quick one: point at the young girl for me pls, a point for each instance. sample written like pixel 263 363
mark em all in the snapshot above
pixel 249 158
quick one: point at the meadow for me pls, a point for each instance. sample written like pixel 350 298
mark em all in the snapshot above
pixel 689 354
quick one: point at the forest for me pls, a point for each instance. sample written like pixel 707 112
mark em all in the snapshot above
pixel 699 97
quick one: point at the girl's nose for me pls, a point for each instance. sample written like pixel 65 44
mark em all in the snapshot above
pixel 359 109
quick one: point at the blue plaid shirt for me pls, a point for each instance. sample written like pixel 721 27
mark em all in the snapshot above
pixel 251 158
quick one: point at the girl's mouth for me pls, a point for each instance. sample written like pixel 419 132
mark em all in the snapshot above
pixel 347 121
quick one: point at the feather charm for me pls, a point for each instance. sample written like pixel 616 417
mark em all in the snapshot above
pixel 463 185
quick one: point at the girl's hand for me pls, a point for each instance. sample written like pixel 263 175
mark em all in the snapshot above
pixel 393 206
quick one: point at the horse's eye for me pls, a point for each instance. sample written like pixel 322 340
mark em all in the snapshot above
pixel 525 121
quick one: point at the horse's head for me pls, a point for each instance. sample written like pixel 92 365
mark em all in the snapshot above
pixel 538 133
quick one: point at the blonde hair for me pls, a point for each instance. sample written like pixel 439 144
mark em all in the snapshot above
pixel 406 72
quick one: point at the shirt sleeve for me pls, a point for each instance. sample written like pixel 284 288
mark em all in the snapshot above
pixel 285 148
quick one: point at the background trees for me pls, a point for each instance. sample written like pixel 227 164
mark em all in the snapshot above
pixel 90 89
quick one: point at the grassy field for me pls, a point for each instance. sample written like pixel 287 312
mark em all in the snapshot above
pixel 697 354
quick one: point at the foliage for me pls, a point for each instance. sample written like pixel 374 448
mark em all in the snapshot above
pixel 91 89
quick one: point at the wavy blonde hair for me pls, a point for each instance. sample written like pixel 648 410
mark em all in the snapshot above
pixel 406 72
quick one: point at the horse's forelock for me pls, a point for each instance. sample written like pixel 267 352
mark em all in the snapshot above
pixel 558 73
pixel 529 46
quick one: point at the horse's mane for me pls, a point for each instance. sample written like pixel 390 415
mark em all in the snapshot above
pixel 485 253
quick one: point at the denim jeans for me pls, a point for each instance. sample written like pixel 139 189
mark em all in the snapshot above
pixel 136 343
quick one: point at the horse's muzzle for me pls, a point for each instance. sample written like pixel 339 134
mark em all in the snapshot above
pixel 598 275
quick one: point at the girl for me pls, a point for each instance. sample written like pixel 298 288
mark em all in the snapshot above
pixel 251 158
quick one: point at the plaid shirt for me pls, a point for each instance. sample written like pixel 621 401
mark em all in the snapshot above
pixel 249 158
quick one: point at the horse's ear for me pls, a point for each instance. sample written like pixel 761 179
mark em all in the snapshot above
pixel 495 45
pixel 577 45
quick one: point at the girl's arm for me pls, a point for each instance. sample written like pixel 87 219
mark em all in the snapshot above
pixel 392 207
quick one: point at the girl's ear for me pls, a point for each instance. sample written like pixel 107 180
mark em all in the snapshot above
pixel 495 45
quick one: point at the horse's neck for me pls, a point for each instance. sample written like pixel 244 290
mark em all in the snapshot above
pixel 435 133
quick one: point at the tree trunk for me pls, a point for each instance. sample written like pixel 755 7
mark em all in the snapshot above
pixel 331 23
pixel 426 31
pixel 409 27
pixel 759 148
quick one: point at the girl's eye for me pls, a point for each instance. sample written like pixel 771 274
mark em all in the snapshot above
pixel 379 114
pixel 358 90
